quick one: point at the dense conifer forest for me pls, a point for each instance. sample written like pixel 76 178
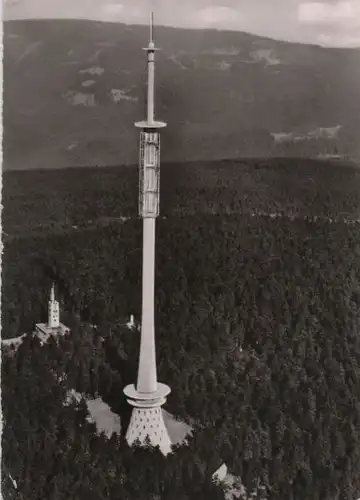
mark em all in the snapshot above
pixel 257 324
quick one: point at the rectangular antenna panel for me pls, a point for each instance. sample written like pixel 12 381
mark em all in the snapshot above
pixel 149 174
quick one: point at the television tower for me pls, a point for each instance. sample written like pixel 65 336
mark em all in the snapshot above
pixel 148 396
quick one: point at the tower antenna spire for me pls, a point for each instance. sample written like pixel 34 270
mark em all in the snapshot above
pixel 152 27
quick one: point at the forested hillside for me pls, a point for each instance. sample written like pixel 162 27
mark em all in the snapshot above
pixel 257 322
pixel 63 200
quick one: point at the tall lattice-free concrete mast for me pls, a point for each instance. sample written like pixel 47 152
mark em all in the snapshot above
pixel 148 396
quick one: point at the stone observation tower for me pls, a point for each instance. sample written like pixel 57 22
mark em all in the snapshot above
pixel 53 310
pixel 53 325
pixel 148 395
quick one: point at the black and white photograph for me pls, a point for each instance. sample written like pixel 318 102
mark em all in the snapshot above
pixel 180 235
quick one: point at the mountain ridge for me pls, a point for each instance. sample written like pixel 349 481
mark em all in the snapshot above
pixel 179 28
pixel 71 95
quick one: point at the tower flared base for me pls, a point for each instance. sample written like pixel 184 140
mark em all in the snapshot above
pixel 149 422
pixel 147 418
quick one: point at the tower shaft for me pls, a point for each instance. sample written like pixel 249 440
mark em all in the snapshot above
pixel 147 377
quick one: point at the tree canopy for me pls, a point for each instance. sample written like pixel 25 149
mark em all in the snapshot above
pixel 257 322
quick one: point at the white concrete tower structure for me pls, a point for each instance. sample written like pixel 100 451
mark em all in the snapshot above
pixel 53 310
pixel 148 396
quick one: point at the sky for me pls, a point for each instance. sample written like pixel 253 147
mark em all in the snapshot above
pixel 323 22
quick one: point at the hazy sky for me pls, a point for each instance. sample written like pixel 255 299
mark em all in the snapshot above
pixel 325 22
